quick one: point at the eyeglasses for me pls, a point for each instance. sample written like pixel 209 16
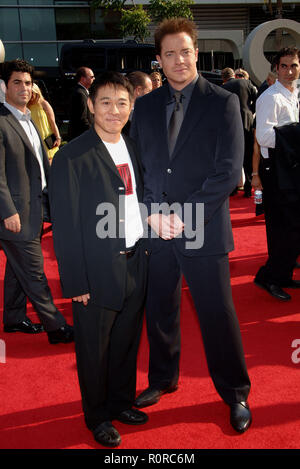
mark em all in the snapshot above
pixel 240 75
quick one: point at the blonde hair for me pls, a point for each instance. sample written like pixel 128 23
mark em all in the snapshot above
pixel 36 90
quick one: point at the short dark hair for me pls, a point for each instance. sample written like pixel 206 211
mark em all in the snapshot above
pixel 227 73
pixel 81 72
pixel 115 79
pixel 174 26
pixel 17 65
pixel 137 78
pixel 286 51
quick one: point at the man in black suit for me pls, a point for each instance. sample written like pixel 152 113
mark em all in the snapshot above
pixel 200 166
pixel 96 183
pixel 142 85
pixel 80 117
pixel 24 170
pixel 246 93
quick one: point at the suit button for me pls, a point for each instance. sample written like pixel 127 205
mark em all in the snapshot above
pixel 169 171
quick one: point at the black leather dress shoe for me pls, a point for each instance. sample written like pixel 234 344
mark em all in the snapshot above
pixel 291 284
pixel 240 416
pixel 274 290
pixel 25 326
pixel 107 435
pixel 132 417
pixel 63 335
pixel 151 396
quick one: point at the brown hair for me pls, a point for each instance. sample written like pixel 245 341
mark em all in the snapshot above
pixel 286 51
pixel 174 26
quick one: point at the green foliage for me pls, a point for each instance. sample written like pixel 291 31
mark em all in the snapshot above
pixel 134 22
pixel 112 4
pixel 161 9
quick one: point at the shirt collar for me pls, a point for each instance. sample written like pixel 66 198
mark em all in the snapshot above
pixel 17 113
pixel 285 91
pixel 84 87
pixel 186 92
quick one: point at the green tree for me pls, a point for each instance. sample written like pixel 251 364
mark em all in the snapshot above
pixel 161 9
pixel 134 22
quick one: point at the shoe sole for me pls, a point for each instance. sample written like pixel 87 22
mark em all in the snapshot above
pixel 54 342
pixel 132 423
pixel 22 332
pixel 274 296
pixel 108 445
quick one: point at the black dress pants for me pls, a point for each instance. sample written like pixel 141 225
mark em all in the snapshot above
pixel 282 217
pixel 25 277
pixel 208 279
pixel 106 345
pixel 247 164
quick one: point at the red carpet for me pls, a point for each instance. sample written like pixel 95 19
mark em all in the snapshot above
pixel 40 399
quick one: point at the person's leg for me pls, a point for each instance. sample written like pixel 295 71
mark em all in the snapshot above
pixel 92 331
pixel 208 279
pixel 163 317
pixel 26 270
pixel 125 338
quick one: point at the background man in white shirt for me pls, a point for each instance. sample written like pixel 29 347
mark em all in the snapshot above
pixel 278 106
pixel 24 169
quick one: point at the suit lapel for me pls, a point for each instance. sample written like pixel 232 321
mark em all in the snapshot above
pixel 162 98
pixel 19 129
pixel 196 110
pixel 138 171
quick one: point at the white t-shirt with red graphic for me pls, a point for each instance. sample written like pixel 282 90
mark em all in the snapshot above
pixel 133 222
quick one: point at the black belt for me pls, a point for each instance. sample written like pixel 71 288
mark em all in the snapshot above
pixel 130 252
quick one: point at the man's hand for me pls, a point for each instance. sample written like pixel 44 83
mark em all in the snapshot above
pixel 82 298
pixel 13 223
pixel 166 226
pixel 256 182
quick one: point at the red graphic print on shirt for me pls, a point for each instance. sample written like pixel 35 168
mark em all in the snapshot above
pixel 125 174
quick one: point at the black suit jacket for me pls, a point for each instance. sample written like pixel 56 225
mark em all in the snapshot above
pixel 247 94
pixel 83 175
pixel 287 158
pixel 20 179
pixel 80 117
pixel 206 162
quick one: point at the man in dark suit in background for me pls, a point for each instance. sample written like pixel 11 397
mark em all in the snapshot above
pixel 24 170
pixel 246 93
pixel 103 271
pixel 199 163
pixel 80 117
pixel 142 85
